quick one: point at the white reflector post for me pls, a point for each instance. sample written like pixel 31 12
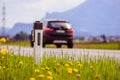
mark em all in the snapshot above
pixel 38 42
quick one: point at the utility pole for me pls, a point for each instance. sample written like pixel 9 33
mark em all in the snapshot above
pixel 3 20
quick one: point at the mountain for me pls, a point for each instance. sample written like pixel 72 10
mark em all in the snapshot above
pixel 95 16
pixel 18 27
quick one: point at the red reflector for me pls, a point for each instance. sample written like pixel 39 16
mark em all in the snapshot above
pixel 48 30
pixel 70 31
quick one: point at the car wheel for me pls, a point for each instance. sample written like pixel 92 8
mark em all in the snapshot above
pixel 58 45
pixel 32 44
pixel 43 45
pixel 70 45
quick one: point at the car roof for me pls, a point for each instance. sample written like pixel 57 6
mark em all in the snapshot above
pixel 47 20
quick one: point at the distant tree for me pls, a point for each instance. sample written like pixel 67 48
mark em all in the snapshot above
pixel 104 38
pixel 21 36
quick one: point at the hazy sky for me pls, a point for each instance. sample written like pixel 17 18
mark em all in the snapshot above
pixel 28 11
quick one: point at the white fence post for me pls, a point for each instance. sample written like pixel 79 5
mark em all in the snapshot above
pixel 38 41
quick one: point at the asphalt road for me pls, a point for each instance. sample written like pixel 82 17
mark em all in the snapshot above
pixel 60 52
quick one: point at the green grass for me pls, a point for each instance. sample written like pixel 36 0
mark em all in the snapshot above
pixel 107 46
pixel 85 45
pixel 111 45
pixel 18 43
pixel 16 67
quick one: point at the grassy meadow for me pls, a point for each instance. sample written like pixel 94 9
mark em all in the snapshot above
pixel 16 67
pixel 92 45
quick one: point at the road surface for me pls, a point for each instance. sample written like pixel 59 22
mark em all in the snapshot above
pixel 60 52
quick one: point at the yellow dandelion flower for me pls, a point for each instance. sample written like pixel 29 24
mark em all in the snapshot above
pixel 69 70
pixel 67 65
pixel 47 68
pixel 49 73
pixel 3 40
pixel 32 78
pixel 49 77
pixel 0 67
pixel 91 66
pixel 70 63
pixel 4 67
pixel 75 70
pixel 78 62
pixel 80 65
pixel 41 76
pixel 8 69
pixel 43 69
pixel 37 70
pixel 97 76
pixel 21 63
pixel 4 51
pixel 3 57
pixel 58 64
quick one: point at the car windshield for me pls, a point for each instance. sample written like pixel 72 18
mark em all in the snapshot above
pixel 56 24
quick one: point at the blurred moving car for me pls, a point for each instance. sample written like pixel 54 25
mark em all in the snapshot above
pixel 57 32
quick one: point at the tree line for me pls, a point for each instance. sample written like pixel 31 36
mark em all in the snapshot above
pixel 22 36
